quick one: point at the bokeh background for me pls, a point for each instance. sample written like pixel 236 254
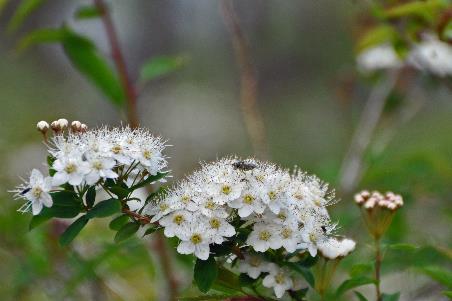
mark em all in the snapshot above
pixel 310 96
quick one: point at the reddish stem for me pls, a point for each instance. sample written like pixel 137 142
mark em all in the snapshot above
pixel 120 63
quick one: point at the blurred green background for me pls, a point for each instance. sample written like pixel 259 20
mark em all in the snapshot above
pixel 310 96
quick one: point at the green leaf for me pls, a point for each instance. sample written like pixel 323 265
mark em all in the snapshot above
pixel 379 35
pixel 418 8
pixel 403 247
pixel 73 230
pixel 118 222
pixel 160 66
pixel 205 273
pixel 86 59
pixel 390 297
pixel 360 269
pixel 91 196
pixel 150 230
pixel 119 191
pixel 45 35
pixel 360 296
pixel 25 8
pixel 305 272
pixel 447 294
pixel 352 283
pixel 149 180
pixel 105 208
pixel 227 281
pixel 87 12
pixel 246 280
pixel 208 297
pixel 438 274
pixel 126 231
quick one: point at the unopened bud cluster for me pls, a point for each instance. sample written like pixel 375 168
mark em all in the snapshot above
pixel 60 125
pixel 378 210
pixel 369 200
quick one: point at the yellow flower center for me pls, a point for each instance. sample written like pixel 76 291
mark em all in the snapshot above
pixel 196 239
pixel 312 237
pixel 97 165
pixel 163 206
pixel 226 189
pixel 248 199
pixel 147 154
pixel 215 223
pixel 210 205
pixel 282 216
pixel 70 168
pixel 255 261
pixel 116 149
pixel 36 191
pixel 286 233
pixel 185 199
pixel 279 278
pixel 272 195
pixel 178 219
pixel 318 202
pixel 298 196
pixel 264 235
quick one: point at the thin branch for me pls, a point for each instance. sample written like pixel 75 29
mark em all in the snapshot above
pixel 120 63
pixel 351 169
pixel 248 83
pixel 132 115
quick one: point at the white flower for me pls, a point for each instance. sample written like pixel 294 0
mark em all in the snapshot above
pixel 36 192
pixel 100 168
pixel 70 170
pixel 378 58
pixel 288 237
pixel 279 279
pixel 253 265
pixel 311 234
pixel 176 222
pixel 432 55
pixel 263 237
pixel 333 248
pixel 219 229
pixel 248 203
pixel 195 240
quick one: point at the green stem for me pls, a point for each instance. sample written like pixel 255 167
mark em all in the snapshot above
pixel 378 259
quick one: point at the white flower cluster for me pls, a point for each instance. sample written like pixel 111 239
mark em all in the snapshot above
pixel 86 157
pixel 283 210
pixel 430 55
pixel 369 200
pixel 278 278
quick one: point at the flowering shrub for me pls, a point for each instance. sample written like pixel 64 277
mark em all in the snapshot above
pixel 254 217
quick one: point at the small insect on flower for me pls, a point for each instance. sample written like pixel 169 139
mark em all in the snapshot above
pixel 244 166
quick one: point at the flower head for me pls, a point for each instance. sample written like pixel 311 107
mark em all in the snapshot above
pixel 36 192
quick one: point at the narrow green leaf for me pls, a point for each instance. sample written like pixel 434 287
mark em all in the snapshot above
pixel 65 198
pixel 118 222
pixel 379 35
pixel 360 296
pixel 360 269
pixel 246 280
pixel 91 196
pixel 418 8
pixel 227 281
pixel 73 230
pixel 86 59
pixel 161 66
pixel 439 274
pixel 403 247
pixel 352 283
pixel 87 12
pixel 105 208
pixel 390 297
pixel 208 297
pixel 25 8
pixel 126 231
pixel 205 273
pixel 149 180
pixel 39 36
pixel 119 191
